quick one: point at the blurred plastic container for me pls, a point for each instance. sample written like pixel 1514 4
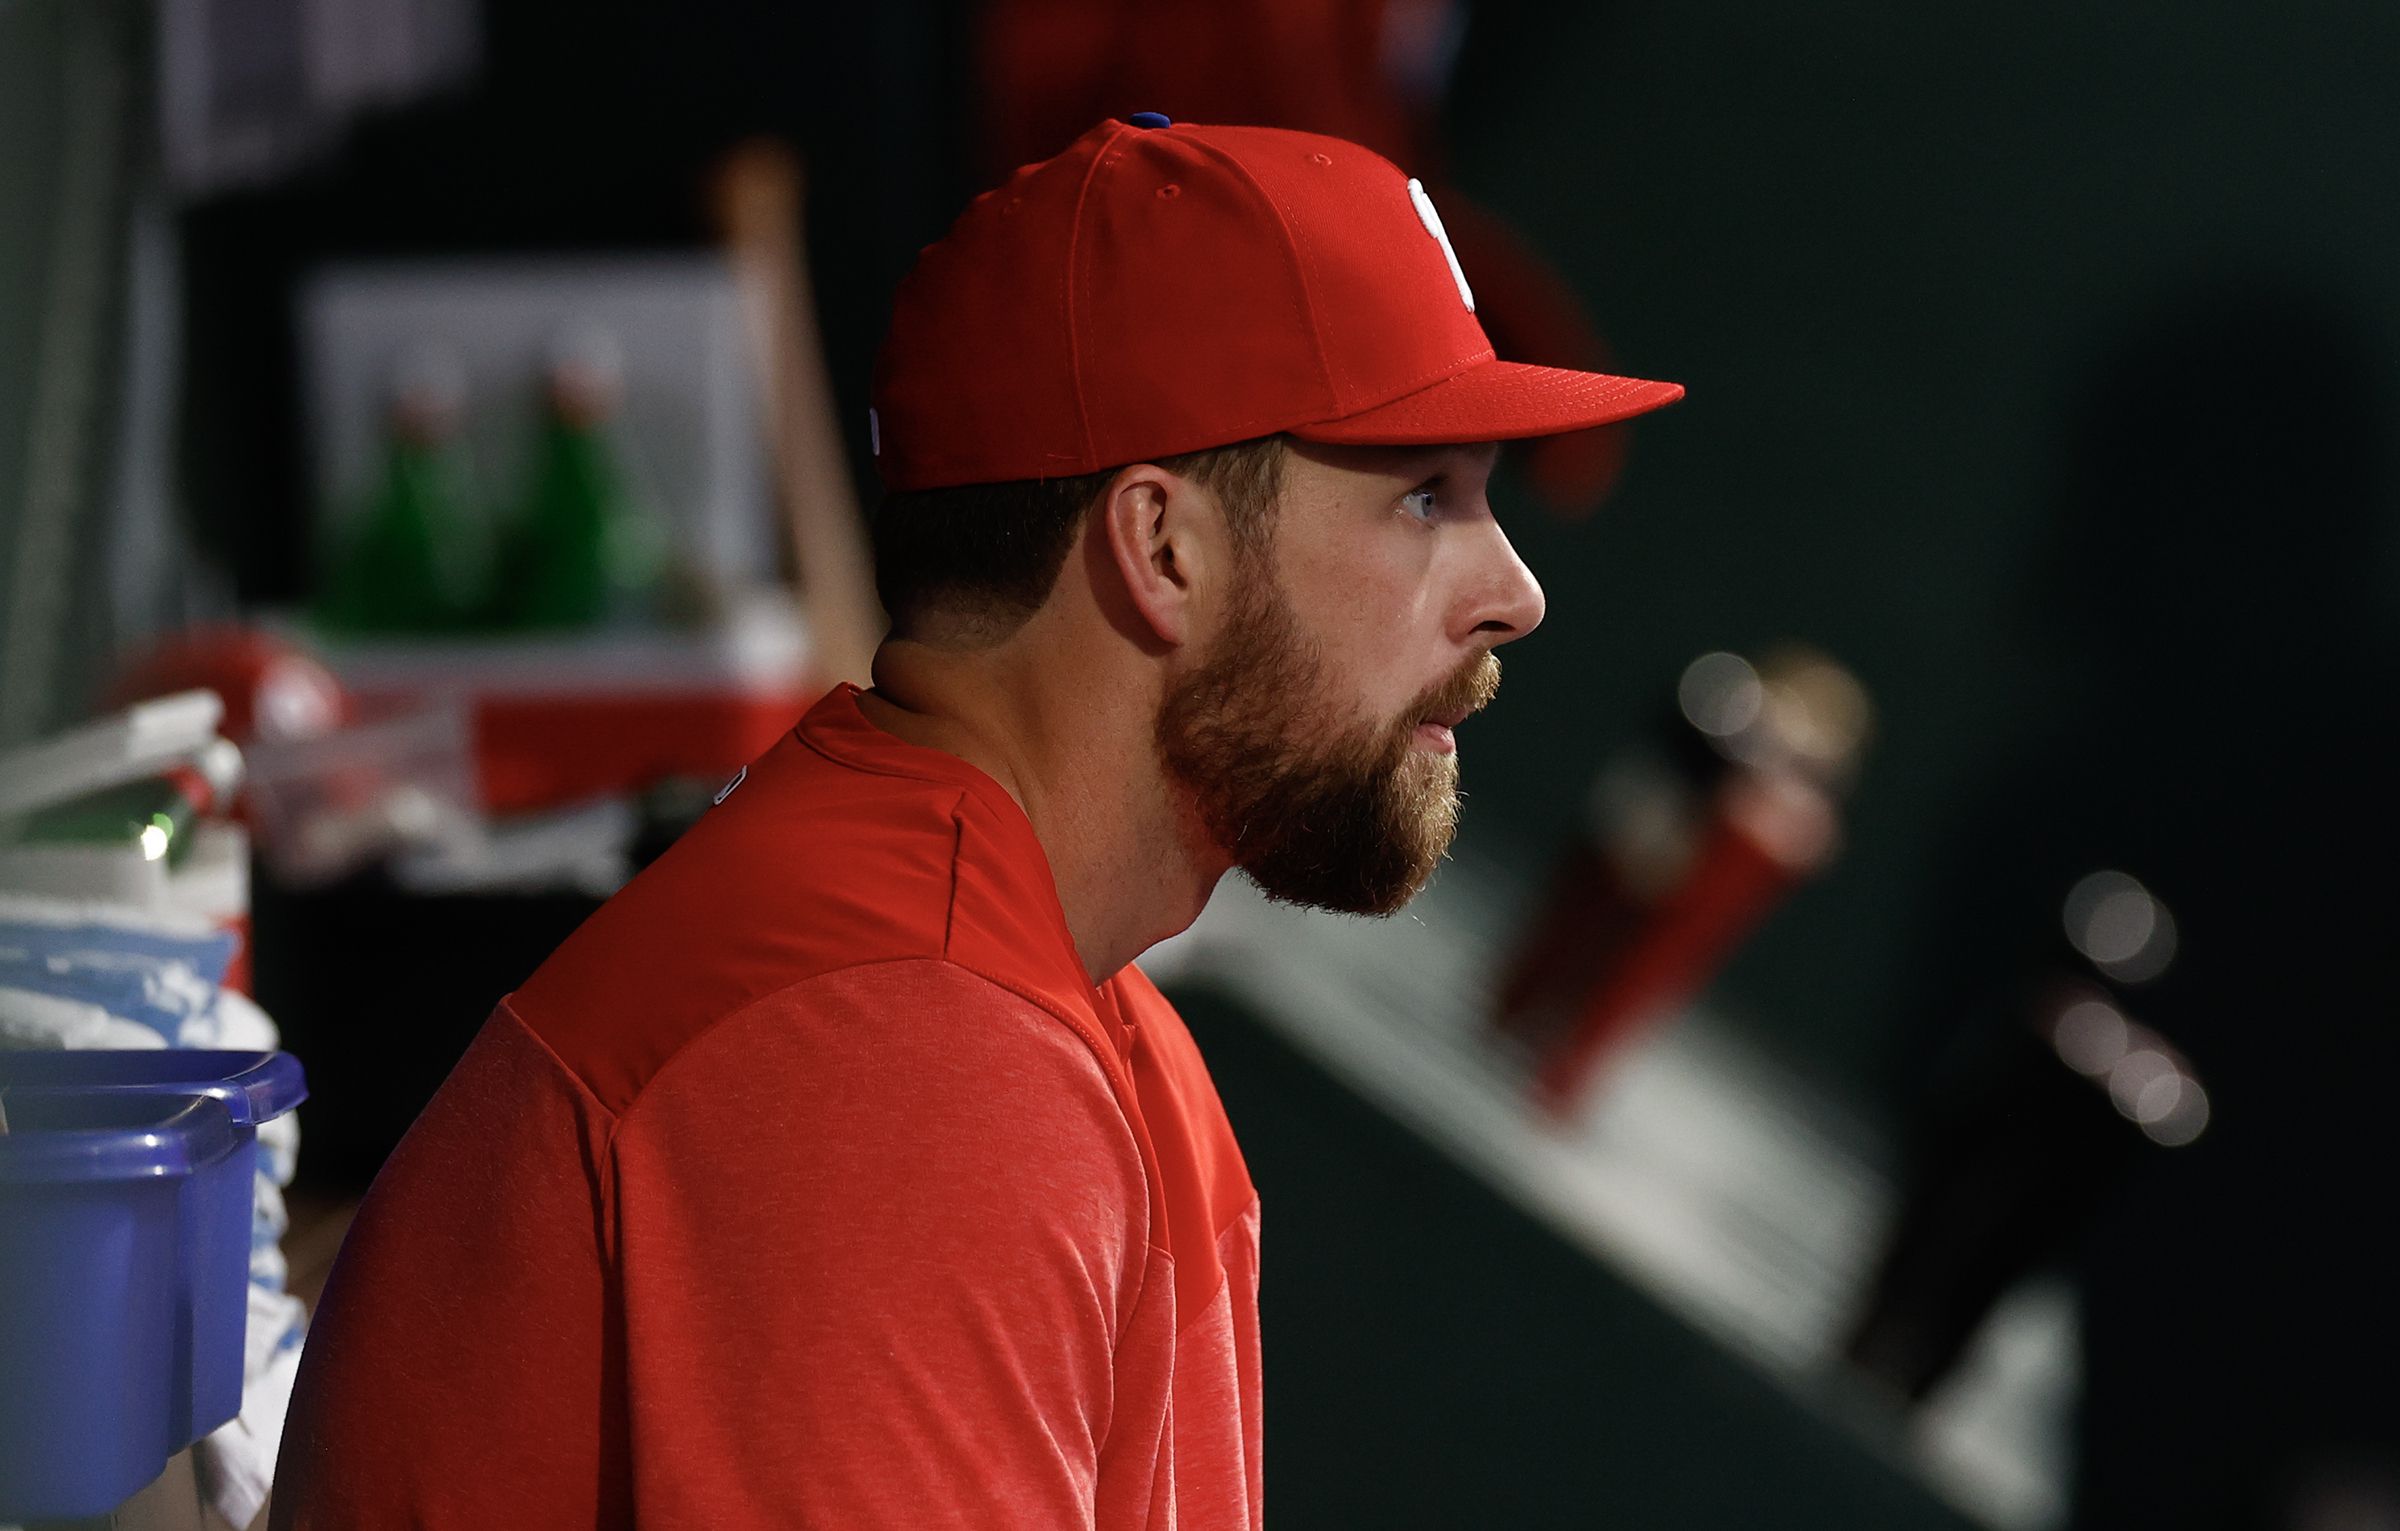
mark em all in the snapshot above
pixel 214 1247
pixel 561 718
pixel 326 805
pixel 96 1325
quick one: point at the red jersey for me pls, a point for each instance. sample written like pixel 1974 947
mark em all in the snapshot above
pixel 810 1183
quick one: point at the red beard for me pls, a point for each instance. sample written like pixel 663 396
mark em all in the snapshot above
pixel 1351 818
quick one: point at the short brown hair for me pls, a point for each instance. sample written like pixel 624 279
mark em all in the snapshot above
pixel 989 554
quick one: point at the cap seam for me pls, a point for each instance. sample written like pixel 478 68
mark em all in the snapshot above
pixel 1083 195
pixel 1614 387
pixel 1447 371
pixel 1291 244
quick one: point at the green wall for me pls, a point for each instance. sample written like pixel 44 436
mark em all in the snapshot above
pixel 29 110
pixel 72 116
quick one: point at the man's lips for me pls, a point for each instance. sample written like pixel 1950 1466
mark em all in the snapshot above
pixel 1434 729
pixel 1449 705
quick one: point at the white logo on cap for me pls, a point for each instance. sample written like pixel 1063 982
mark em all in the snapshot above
pixel 1433 225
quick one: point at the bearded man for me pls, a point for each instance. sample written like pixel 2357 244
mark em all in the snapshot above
pixel 843 1170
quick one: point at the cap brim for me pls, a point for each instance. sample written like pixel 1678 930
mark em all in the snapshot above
pixel 1497 401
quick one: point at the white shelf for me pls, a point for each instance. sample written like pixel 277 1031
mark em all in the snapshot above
pixel 759 645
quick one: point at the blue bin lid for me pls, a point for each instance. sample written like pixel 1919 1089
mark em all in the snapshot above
pixel 255 1087
pixel 58 1137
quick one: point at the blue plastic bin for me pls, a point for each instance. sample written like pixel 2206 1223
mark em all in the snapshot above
pixel 254 1088
pixel 93 1320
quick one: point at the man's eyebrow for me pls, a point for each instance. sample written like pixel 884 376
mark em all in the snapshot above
pixel 1484 455
pixel 1426 461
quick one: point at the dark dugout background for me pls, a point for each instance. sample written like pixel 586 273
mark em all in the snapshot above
pixel 1912 262
pixel 2040 367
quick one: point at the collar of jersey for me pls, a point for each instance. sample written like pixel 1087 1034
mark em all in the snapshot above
pixel 839 729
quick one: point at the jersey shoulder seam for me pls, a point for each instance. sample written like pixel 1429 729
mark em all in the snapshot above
pixel 691 1043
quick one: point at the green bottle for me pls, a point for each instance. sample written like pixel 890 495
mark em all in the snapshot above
pixel 418 560
pixel 587 553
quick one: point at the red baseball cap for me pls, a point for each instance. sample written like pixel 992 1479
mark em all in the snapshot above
pixel 1160 288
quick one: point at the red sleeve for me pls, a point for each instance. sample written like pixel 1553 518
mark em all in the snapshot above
pixel 877 1237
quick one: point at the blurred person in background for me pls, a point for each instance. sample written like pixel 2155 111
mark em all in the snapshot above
pixel 843 1170
pixel 2221 684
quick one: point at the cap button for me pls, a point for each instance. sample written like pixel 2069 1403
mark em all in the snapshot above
pixel 1150 120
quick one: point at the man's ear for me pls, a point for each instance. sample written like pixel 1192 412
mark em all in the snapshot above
pixel 1150 524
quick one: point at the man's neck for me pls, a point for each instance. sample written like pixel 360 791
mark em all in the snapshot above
pixel 1077 752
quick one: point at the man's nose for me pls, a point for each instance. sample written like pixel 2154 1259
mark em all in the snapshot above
pixel 1507 600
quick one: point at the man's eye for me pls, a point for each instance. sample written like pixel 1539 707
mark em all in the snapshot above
pixel 1419 503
